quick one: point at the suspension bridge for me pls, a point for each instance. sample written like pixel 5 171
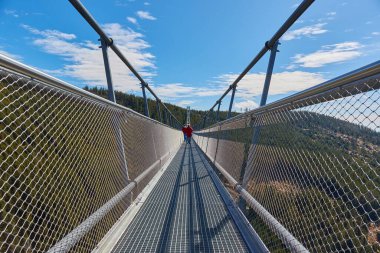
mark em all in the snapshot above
pixel 80 173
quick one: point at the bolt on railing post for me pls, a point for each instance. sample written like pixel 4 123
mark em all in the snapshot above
pixel 146 109
pixel 217 112
pixel 232 101
pixel 111 92
pixel 159 118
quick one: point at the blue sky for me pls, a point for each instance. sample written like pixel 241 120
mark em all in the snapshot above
pixel 190 51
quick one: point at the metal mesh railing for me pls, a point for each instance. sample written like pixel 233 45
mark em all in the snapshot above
pixel 63 155
pixel 312 162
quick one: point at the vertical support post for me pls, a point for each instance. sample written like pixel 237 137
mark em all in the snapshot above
pixel 232 101
pixel 111 96
pixel 212 116
pixel 146 109
pixel 164 116
pixel 268 76
pixel 264 96
pixel 217 112
pixel 204 121
pixel 111 92
pixel 217 142
pixel 188 115
pixel 256 130
pixel 159 118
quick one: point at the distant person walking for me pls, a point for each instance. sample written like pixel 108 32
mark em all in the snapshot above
pixel 189 132
pixel 184 132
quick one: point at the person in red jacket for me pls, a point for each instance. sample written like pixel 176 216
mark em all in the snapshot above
pixel 184 132
pixel 189 132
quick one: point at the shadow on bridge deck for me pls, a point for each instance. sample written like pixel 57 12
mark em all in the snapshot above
pixel 183 213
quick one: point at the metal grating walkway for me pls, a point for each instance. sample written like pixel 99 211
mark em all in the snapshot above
pixel 183 213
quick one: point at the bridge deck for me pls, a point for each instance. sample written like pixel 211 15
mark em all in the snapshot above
pixel 183 213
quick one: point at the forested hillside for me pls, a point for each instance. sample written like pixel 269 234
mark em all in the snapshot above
pixel 136 103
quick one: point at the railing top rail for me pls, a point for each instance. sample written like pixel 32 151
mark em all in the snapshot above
pixel 92 22
pixel 369 71
pixel 29 72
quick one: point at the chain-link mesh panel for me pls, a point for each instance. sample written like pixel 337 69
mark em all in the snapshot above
pixel 228 144
pixel 314 164
pixel 62 157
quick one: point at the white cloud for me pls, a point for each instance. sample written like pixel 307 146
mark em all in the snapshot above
pixel 375 33
pixel 145 15
pixel 174 90
pixel 121 3
pixel 146 3
pixel 20 13
pixel 184 103
pixel 10 55
pixel 328 16
pixel 307 31
pixel 295 5
pixel 291 67
pixel 132 20
pixel 180 90
pixel 329 54
pixel 50 33
pixel 12 13
pixel 246 105
pixel 250 86
pixel 282 83
pixel 84 59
